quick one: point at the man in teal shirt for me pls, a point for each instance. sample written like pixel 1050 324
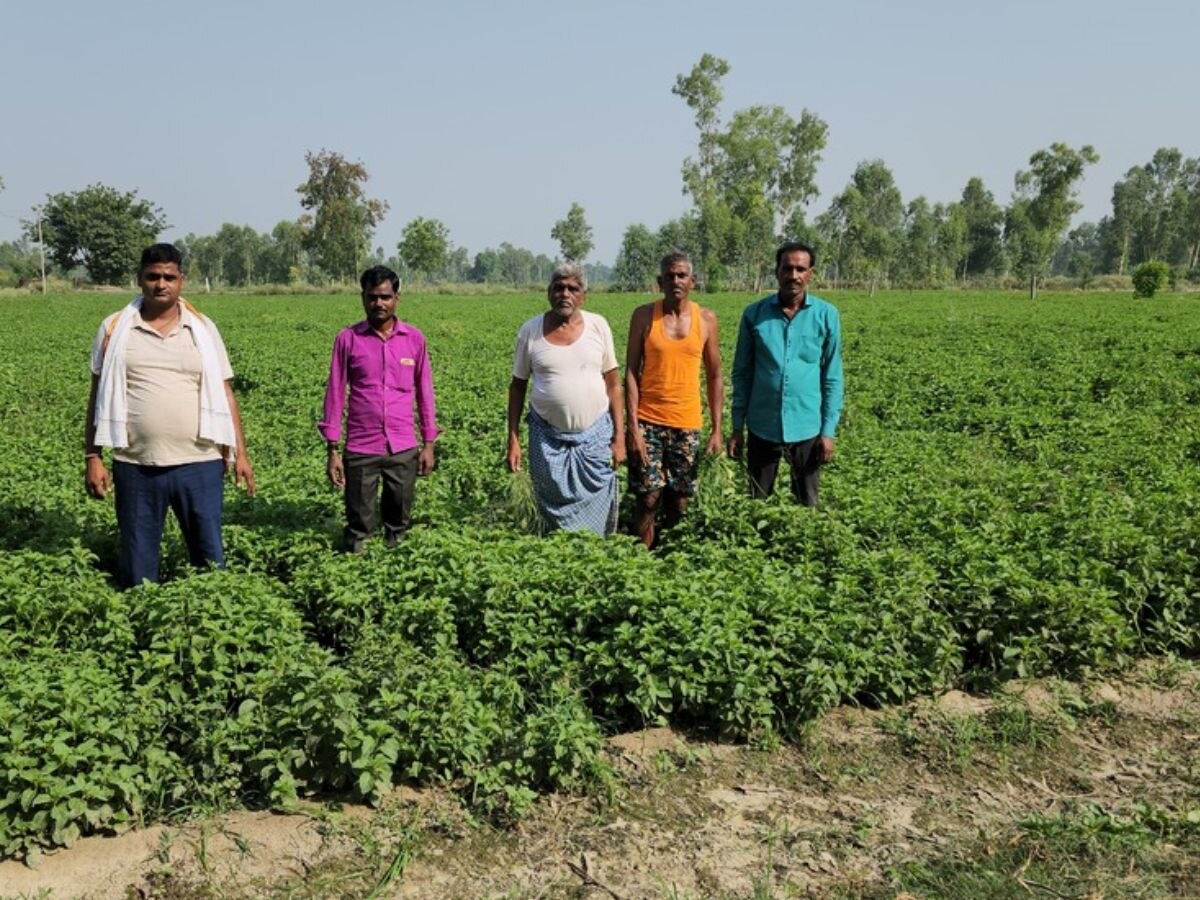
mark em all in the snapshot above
pixel 787 380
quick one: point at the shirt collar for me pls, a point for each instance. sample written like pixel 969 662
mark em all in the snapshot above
pixel 807 302
pixel 364 327
pixel 187 319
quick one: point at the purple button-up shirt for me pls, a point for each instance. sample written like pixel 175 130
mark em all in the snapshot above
pixel 383 376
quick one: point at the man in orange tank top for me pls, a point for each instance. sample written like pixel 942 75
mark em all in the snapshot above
pixel 669 340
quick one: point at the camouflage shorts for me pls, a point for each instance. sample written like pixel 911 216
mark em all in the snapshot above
pixel 674 455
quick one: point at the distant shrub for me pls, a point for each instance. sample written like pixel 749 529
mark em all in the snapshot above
pixel 24 287
pixel 1150 277
pixel 475 288
pixel 1112 283
pixel 299 288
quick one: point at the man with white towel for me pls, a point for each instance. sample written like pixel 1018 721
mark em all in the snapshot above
pixel 162 400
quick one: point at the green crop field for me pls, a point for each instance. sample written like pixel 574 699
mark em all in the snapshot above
pixel 1016 492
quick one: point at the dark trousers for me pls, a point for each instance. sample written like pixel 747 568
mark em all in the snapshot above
pixel 762 463
pixel 193 491
pixel 363 472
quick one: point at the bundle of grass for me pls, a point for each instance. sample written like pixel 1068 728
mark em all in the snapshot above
pixel 522 506
pixel 720 480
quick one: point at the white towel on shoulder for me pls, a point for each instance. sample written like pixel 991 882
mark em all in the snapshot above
pixel 216 420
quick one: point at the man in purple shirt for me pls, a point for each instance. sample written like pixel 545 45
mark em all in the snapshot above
pixel 385 364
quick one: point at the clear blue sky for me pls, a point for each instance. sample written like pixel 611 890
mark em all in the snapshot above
pixel 494 117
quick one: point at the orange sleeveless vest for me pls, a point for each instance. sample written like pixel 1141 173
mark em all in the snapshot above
pixel 669 389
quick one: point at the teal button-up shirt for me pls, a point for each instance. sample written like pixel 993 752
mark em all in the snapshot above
pixel 787 373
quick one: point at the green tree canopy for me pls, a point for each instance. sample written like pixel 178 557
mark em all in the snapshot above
pixel 701 91
pixel 864 225
pixel 1191 215
pixel 244 253
pixel 288 258
pixel 637 260
pixel 511 265
pixel 984 221
pixel 573 234
pixel 424 246
pixel 1042 206
pixel 1155 211
pixel 934 241
pixel 19 263
pixel 342 220
pixel 749 177
pixel 99 228
pixel 458 265
pixel 1080 253
pixel 486 267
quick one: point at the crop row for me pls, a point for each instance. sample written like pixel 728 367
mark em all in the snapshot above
pixel 1016 492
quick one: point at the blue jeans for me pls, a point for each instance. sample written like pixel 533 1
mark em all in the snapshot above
pixel 193 491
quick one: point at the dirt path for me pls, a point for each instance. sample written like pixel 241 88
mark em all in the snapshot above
pixel 1051 789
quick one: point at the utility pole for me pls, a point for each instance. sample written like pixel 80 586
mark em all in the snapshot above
pixel 42 248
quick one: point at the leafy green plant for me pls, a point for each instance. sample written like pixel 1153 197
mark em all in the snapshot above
pixel 1150 277
pixel 80 751
pixel 992 512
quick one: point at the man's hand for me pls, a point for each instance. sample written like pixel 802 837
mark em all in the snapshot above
pixel 425 461
pixel 734 446
pixel 513 459
pixel 635 445
pixel 336 470
pixel 243 474
pixel 715 445
pixel 824 449
pixel 618 451
pixel 95 478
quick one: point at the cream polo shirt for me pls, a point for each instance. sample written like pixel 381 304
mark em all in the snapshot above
pixel 163 395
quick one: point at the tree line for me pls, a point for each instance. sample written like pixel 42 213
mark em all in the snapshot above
pixel 99 232
pixel 753 176
pixel 750 181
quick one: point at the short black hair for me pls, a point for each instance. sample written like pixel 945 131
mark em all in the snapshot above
pixel 792 247
pixel 160 253
pixel 676 256
pixel 377 275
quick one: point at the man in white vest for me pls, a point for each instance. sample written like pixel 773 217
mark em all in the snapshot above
pixel 161 400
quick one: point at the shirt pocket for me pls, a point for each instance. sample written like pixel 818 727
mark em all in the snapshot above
pixel 363 369
pixel 402 373
pixel 808 348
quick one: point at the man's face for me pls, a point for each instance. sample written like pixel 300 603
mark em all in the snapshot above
pixel 379 303
pixel 677 281
pixel 566 295
pixel 795 269
pixel 161 283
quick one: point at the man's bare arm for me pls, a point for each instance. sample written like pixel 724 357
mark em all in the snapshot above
pixel 243 472
pixel 635 348
pixel 612 387
pixel 516 405
pixel 714 381
pixel 96 480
